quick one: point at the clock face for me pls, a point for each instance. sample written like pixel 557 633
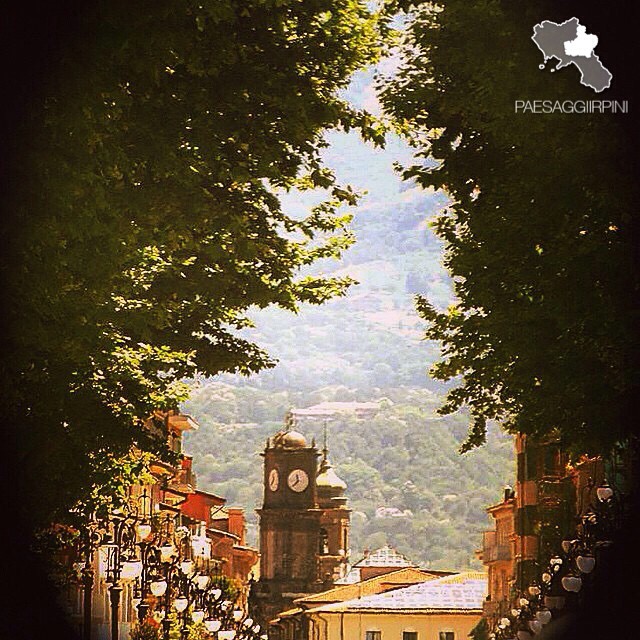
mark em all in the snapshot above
pixel 298 480
pixel 274 480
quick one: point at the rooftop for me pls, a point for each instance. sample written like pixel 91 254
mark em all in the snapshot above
pixel 393 580
pixel 459 592
pixel 385 557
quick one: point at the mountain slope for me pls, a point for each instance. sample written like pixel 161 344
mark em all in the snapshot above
pixel 404 459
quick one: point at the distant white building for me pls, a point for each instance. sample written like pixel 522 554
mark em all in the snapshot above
pixel 330 409
pixel 376 563
pixel 393 512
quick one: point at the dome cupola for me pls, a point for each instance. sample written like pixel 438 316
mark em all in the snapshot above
pixel 290 440
pixel 329 480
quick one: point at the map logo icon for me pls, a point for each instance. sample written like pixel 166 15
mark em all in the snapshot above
pixel 569 43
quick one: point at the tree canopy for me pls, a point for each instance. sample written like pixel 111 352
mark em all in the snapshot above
pixel 540 232
pixel 143 218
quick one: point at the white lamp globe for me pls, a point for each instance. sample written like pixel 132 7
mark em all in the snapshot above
pixel 202 581
pixel 166 552
pixel 158 587
pixel 237 614
pixel 586 564
pixel 212 625
pixel 535 626
pixel 143 530
pixel 186 566
pixel 180 604
pixel 197 616
pixel 604 493
pixel 544 616
pixel 131 569
pixel 572 583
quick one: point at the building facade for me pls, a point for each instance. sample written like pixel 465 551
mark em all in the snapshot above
pixel 297 623
pixel 170 500
pixel 530 524
pixel 445 608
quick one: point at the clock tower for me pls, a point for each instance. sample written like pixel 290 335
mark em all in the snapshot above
pixel 304 523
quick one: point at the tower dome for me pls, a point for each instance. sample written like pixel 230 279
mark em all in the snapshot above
pixel 328 480
pixel 290 440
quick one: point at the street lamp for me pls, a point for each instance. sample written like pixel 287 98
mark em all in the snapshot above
pixel 212 625
pixel 90 537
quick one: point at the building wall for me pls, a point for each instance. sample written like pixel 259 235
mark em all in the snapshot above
pixel 198 505
pixel 174 486
pixel 547 490
pixel 353 626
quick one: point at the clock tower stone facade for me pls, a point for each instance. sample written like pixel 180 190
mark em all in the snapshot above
pixel 304 525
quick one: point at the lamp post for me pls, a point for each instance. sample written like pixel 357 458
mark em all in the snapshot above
pixel 87 592
pixel 119 546
pixel 91 534
pixel 600 512
pixel 89 539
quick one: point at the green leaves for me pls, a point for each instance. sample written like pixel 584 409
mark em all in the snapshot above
pixel 537 234
pixel 148 221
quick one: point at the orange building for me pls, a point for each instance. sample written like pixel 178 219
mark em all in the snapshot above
pixel 173 493
pixel 531 522
pixel 498 555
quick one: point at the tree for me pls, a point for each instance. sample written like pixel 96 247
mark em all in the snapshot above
pixel 540 234
pixel 143 219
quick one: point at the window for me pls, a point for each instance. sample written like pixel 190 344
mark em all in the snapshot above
pixel 447 635
pixel 409 635
pixel 551 461
pixel 323 549
pixel 373 635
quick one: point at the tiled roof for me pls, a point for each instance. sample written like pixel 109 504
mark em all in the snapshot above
pixel 385 557
pixel 286 614
pixel 378 584
pixel 460 592
pixel 465 576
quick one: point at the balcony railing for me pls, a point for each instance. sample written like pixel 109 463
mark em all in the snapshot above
pixel 553 491
pixel 493 550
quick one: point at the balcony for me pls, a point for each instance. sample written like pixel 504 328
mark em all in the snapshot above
pixel 492 550
pixel 553 492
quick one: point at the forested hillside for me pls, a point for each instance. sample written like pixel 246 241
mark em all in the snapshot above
pixel 405 458
pixel 365 346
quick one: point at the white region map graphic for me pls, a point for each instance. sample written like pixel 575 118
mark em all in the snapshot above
pixel 570 43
